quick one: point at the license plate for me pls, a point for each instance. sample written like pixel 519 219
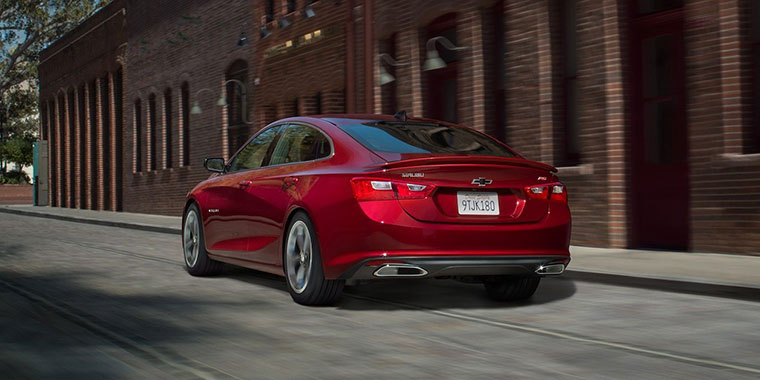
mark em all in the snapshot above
pixel 477 203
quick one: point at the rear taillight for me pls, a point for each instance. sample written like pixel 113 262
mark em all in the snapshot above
pixel 554 191
pixel 367 189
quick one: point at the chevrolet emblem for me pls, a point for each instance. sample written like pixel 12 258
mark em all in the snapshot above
pixel 480 181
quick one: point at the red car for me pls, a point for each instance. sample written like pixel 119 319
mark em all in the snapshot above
pixel 331 198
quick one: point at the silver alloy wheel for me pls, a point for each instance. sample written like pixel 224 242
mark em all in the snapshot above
pixel 191 238
pixel 298 256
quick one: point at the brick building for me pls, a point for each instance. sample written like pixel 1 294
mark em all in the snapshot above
pixel 647 107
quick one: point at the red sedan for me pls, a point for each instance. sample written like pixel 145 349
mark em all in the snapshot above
pixel 331 198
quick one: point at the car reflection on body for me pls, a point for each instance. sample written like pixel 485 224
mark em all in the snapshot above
pixel 331 198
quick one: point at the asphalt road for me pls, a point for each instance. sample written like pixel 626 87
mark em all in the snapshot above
pixel 83 301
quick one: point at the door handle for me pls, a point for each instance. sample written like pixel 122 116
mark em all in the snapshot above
pixel 288 182
pixel 244 184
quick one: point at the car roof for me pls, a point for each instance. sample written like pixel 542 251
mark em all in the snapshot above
pixel 341 119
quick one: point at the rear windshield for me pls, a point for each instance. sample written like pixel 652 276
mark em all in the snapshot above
pixel 424 138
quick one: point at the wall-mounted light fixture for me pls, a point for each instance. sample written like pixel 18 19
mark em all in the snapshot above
pixel 308 11
pixel 265 32
pixel 196 109
pixel 242 40
pixel 386 77
pixel 223 99
pixel 434 60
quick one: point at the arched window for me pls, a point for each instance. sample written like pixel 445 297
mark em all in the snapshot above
pixel 269 10
pixel 566 129
pixel 185 124
pixel 138 141
pixel 71 143
pixel 237 107
pixel 753 145
pixel 388 90
pixel 168 125
pixel 152 132
pixel 82 141
pixel 441 83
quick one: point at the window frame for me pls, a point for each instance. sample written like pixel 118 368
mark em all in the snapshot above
pixel 751 135
pixel 285 127
pixel 267 156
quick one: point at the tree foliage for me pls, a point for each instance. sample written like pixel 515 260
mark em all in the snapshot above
pixel 26 28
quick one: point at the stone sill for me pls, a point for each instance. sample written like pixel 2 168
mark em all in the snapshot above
pixel 727 160
pixel 578 170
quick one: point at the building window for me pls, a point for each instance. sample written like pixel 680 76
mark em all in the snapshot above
pixel 185 124
pixel 496 122
pixel 118 96
pixel 753 138
pixel 269 11
pixel 296 106
pixel 82 146
pixel 652 6
pixel 290 6
pixel 318 104
pixel 388 90
pixel 138 141
pixel 567 127
pixel 105 113
pixel 94 156
pixel 62 147
pixel 168 127
pixel 237 129
pixel 72 173
pixel 152 132
pixel 441 83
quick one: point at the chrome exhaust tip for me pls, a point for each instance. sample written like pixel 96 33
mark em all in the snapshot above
pixel 400 270
pixel 551 269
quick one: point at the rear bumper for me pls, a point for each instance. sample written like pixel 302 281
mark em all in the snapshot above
pixel 352 233
pixel 455 266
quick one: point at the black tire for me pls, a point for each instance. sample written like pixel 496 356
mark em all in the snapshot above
pixel 315 290
pixel 505 288
pixel 197 263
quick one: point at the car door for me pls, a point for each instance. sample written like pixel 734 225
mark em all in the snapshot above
pixel 281 184
pixel 230 210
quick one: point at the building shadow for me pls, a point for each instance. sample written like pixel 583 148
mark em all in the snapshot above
pixel 55 327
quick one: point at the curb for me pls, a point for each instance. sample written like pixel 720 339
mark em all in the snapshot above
pixel 738 292
pixel 133 226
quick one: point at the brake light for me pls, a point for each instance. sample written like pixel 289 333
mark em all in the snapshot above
pixel 366 189
pixel 537 192
pixel 554 191
pixel 558 193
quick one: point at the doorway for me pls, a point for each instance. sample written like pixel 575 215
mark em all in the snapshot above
pixel 659 138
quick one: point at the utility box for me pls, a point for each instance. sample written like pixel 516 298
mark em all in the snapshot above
pixel 41 180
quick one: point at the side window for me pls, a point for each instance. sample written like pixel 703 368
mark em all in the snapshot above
pixel 254 153
pixel 300 143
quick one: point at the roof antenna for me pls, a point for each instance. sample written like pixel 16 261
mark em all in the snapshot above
pixel 400 115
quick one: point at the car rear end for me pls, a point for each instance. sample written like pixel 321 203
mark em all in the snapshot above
pixel 444 201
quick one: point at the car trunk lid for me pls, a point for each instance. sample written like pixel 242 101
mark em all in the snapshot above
pixel 472 189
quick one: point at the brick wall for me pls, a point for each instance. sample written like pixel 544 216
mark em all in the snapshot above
pixel 725 187
pixel 171 43
pixel 69 73
pixel 16 194
pixel 323 64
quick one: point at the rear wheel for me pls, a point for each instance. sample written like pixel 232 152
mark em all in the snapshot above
pixel 302 263
pixel 505 288
pixel 197 261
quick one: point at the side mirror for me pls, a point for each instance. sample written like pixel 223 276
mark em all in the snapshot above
pixel 215 165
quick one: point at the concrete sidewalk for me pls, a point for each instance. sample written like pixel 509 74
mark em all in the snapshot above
pixel 702 273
